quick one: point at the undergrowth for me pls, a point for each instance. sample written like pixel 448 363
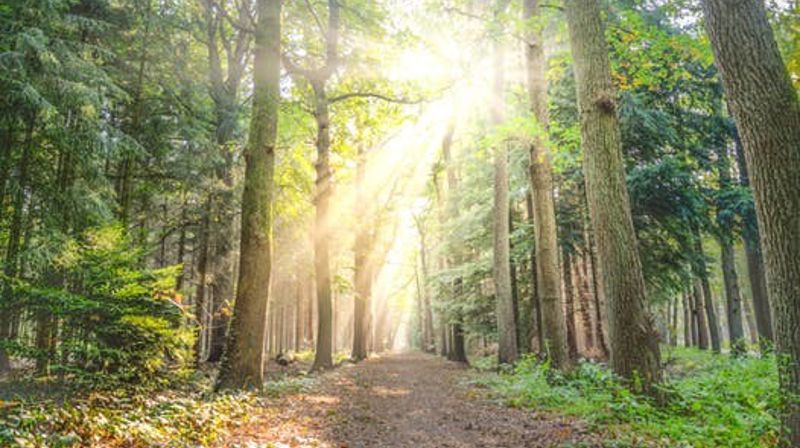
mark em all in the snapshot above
pixel 711 400
pixel 125 418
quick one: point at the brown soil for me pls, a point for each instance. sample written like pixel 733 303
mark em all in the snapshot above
pixel 403 400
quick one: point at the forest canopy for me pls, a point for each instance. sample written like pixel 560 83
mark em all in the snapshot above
pixel 209 204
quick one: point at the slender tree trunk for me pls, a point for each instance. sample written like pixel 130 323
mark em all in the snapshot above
pixel 585 300
pixel 456 350
pixel 688 341
pixel 548 278
pixel 728 262
pixel 764 104
pixel 569 300
pixel 504 302
pixel 755 259
pixel 323 357
pixel 362 274
pixel 535 315
pixel 700 315
pixel 597 291
pixel 701 270
pixel 9 309
pixel 200 301
pixel 634 341
pixel 243 361
pixel 733 299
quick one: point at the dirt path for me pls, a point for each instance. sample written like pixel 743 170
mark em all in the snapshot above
pixel 402 400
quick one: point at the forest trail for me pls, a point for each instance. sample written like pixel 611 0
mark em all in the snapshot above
pixel 402 400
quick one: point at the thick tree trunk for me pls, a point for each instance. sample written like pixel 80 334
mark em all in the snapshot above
pixel 243 361
pixel 764 104
pixel 634 341
pixel 548 278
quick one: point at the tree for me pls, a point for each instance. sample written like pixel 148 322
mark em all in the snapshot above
pixel 243 361
pixel 764 104
pixel 506 323
pixel 633 340
pixel 548 279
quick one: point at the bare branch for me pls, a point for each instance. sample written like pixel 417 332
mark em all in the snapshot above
pixel 316 17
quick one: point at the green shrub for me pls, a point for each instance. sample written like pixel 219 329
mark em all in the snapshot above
pixel 712 400
pixel 115 321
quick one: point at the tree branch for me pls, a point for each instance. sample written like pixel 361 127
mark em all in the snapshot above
pixel 379 96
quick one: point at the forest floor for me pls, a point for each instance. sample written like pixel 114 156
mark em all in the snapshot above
pixel 403 400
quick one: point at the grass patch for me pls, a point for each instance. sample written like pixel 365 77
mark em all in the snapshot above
pixel 713 400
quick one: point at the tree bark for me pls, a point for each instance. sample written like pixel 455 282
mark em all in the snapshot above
pixel 634 341
pixel 688 341
pixel 9 309
pixel 698 311
pixel 764 104
pixel 569 300
pixel 733 299
pixel 243 361
pixel 548 278
pixel 506 326
pixel 755 259
pixel 701 270
pixel 585 300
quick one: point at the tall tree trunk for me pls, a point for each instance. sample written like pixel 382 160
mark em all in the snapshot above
pixel 200 301
pixel 687 321
pixel 728 262
pixel 698 311
pixel 634 341
pixel 548 278
pixel 755 259
pixel 764 104
pixel 428 343
pixel 534 316
pixel 506 326
pixel 701 270
pixel 569 301
pixel 243 361
pixel 585 300
pixel 733 299
pixel 323 357
pixel 456 349
pixel 362 272
pixel 9 309
pixel 597 291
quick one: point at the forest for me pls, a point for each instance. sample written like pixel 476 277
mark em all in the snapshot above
pixel 399 223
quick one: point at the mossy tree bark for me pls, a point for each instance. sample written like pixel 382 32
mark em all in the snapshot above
pixel 635 353
pixel 243 360
pixel 765 106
